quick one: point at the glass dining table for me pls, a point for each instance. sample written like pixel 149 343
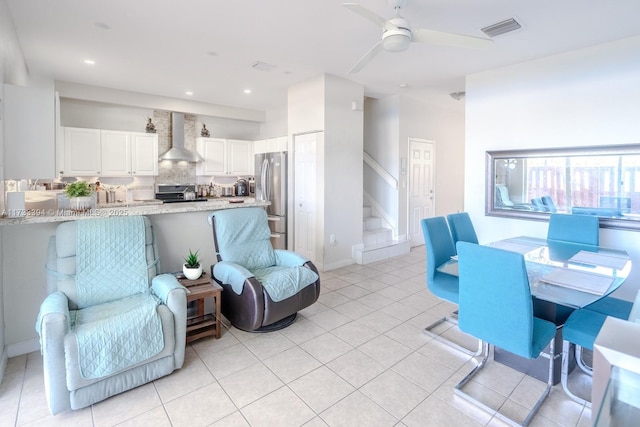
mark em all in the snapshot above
pixel 563 276
pixel 570 274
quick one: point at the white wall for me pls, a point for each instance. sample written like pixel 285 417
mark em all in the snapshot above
pixel 324 104
pixel 445 127
pixel 99 115
pixel 276 122
pixel 343 148
pixel 580 98
pixel 382 143
pixel 3 353
pixel 389 124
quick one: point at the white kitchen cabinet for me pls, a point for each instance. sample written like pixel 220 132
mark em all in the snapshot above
pixel 213 151
pixel 240 157
pixel 144 154
pixel 91 152
pixel 271 145
pixel 115 150
pixel 224 156
pixel 81 152
pixel 29 129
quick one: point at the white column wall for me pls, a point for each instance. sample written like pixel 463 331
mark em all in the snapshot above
pixel 343 181
pixel 580 98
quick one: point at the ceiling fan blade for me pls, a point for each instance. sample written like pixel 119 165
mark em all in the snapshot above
pixel 366 13
pixel 422 35
pixel 366 58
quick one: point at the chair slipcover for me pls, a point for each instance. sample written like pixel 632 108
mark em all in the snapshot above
pixel 263 288
pixel 63 313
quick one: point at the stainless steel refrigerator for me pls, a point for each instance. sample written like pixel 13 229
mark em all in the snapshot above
pixel 271 185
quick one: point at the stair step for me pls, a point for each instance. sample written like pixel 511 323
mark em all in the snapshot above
pixel 377 235
pixel 371 223
pixel 366 211
pixel 383 250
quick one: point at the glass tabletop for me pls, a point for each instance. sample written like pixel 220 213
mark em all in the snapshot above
pixel 564 273
pixel 620 405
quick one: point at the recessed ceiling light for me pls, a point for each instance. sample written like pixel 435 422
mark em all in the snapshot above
pixel 404 85
pixel 90 62
pixel 247 91
pixel 188 93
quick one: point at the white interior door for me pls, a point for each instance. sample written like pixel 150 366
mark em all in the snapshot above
pixel 305 206
pixel 421 192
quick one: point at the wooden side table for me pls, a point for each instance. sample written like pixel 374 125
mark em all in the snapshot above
pixel 203 324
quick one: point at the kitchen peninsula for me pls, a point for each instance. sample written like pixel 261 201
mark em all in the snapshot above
pixel 178 228
pixel 38 216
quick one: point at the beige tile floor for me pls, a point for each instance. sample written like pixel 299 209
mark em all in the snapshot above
pixel 358 357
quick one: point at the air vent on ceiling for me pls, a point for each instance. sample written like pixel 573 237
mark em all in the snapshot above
pixel 262 66
pixel 499 28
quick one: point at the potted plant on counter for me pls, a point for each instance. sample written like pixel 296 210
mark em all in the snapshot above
pixel 80 195
pixel 192 269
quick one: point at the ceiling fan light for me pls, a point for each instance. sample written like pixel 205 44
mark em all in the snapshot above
pixel 398 42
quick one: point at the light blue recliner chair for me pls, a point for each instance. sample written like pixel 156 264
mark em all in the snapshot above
pixel 263 288
pixel 110 321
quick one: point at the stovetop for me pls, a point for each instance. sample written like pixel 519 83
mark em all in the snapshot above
pixel 174 193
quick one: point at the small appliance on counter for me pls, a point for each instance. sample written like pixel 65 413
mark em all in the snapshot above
pixel 241 187
pixel 227 191
pixel 176 193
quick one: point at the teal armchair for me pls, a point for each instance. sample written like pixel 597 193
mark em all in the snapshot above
pixel 263 288
pixel 110 321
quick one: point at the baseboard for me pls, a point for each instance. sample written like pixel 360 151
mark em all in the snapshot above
pixel 23 347
pixel 338 264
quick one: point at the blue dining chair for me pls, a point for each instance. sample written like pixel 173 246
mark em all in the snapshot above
pixel 583 229
pixel 548 203
pixel 462 228
pixel 581 329
pixel 440 248
pixel 538 205
pixel 496 307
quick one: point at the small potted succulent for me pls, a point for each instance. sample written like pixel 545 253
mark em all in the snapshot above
pixel 192 268
pixel 81 197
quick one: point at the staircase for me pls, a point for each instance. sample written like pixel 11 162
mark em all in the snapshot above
pixel 378 241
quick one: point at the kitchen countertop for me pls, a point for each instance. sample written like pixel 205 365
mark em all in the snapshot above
pixel 146 207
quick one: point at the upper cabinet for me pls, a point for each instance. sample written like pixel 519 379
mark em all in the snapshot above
pixel 29 130
pixel 224 157
pixel 271 145
pixel 90 152
pixel 81 152
pixel 144 154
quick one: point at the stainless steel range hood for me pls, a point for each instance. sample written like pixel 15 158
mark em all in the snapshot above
pixel 177 151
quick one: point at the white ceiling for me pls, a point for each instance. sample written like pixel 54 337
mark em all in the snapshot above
pixel 165 47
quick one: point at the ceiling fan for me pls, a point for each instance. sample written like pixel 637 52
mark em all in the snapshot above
pixel 397 34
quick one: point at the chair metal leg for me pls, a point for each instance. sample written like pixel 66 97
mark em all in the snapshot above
pixel 486 350
pixel 453 318
pixel 564 377
pixel 580 361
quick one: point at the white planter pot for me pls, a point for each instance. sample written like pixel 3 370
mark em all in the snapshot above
pixel 81 204
pixel 192 273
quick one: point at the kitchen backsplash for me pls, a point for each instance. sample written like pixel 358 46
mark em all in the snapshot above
pixel 175 172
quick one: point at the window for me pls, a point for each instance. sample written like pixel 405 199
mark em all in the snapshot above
pixel 602 181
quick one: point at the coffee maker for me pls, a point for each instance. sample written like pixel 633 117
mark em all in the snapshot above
pixel 241 187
